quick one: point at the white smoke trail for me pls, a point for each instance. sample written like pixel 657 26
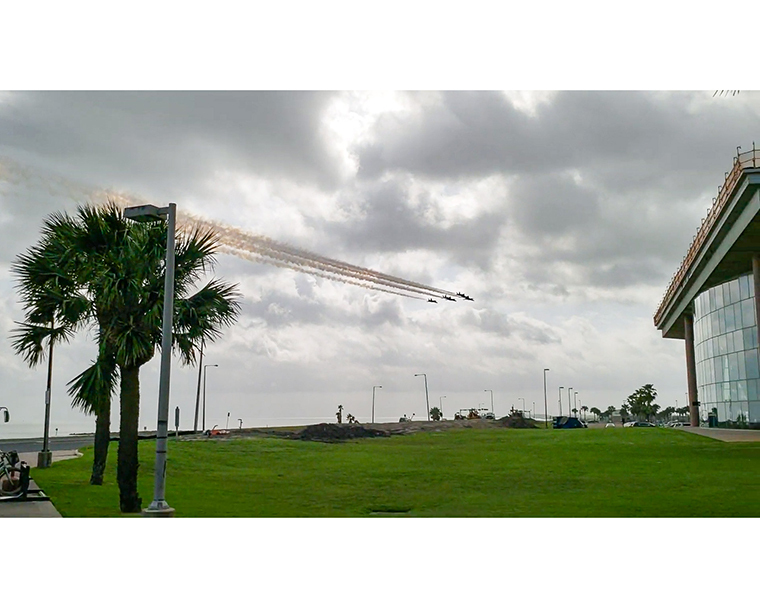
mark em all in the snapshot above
pixel 16 174
pixel 233 241
pixel 266 248
pixel 244 244
pixel 248 240
pixel 317 273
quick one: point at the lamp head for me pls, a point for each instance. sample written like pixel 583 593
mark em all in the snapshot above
pixel 143 213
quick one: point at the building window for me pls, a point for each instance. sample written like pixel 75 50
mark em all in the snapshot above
pixel 725 347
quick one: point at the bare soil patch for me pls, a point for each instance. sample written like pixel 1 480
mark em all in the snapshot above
pixel 331 432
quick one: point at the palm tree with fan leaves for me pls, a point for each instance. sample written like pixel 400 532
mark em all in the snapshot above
pixel 113 270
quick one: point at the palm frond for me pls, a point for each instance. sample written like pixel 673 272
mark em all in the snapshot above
pixel 199 317
pixel 30 340
pixel 91 390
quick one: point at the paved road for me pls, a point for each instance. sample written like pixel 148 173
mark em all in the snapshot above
pixel 56 443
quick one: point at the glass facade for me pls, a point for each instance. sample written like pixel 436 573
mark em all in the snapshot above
pixel 725 344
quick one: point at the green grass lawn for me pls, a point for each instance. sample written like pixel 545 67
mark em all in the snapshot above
pixel 458 473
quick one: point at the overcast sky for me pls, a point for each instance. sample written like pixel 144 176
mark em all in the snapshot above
pixel 563 214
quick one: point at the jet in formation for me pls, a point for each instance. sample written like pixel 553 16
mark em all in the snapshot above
pixel 433 301
pixel 461 295
pixel 449 298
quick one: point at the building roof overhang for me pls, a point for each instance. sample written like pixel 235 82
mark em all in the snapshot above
pixel 722 249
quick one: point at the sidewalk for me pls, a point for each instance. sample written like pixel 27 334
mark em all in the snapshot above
pixel 724 434
pixel 34 508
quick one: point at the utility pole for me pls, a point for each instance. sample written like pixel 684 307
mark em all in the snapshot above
pixel 198 391
pixel 546 409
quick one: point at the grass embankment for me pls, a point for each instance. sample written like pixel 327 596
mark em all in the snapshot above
pixel 467 472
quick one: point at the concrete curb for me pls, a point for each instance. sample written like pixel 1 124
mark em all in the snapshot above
pixel 31 457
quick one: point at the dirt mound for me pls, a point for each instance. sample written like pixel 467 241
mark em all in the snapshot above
pixel 517 422
pixel 338 432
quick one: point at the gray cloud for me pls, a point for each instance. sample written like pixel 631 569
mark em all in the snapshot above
pixel 170 140
pixel 505 326
pixel 388 222
pixel 277 309
pixel 597 178
pixel 635 138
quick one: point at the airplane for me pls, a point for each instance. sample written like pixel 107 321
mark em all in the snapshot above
pixel 466 297
pixel 433 301
pixel 449 298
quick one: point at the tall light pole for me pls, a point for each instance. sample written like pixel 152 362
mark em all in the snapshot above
pixel 560 400
pixel 575 402
pixel 488 390
pixel 373 402
pixel 45 457
pixel 546 407
pixel 198 391
pixel 204 392
pixel 151 213
pixel 523 400
pixel 440 405
pixel 568 401
pixel 427 398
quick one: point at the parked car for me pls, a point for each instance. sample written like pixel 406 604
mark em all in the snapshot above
pixel 639 423
pixel 568 422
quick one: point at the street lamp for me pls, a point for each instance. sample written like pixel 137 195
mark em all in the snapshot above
pixel 427 398
pixel 151 213
pixel 560 400
pixel 440 405
pixel 546 408
pixel 488 390
pixel 523 400
pixel 198 391
pixel 204 392
pixel 575 402
pixel 568 401
pixel 373 402
pixel 45 457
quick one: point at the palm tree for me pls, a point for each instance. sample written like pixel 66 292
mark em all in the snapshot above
pixel 584 409
pixel 54 309
pixel 597 412
pixel 118 267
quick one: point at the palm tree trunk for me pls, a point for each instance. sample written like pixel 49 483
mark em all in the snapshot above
pixel 126 470
pixel 102 439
